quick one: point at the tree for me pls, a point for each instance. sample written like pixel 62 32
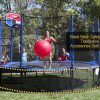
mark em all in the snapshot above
pixel 91 8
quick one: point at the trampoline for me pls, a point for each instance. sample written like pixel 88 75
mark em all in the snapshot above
pixel 50 81
pixel 56 66
pixel 38 66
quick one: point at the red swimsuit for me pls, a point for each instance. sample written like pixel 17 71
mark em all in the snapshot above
pixel 64 57
pixel 49 40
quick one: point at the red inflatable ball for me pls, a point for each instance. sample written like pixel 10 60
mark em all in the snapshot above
pixel 59 59
pixel 42 48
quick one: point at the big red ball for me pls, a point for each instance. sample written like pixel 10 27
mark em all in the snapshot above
pixel 42 48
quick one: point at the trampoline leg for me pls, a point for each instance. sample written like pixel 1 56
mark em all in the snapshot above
pixel 99 74
pixel 71 73
pixel 24 73
pixel 62 73
pixel 43 73
pixel 71 76
pixel 93 73
pixel 36 73
pixel 11 73
pixel 21 74
pixel 0 75
pixel 68 71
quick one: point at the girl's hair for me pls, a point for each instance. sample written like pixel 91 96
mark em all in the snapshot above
pixel 45 34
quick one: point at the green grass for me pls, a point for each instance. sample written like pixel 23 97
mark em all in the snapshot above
pixel 90 95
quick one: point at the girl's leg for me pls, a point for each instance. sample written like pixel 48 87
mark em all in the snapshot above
pixel 50 60
pixel 45 62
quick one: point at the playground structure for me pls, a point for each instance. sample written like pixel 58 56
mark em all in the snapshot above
pixel 37 66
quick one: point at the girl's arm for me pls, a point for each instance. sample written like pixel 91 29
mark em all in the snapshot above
pixel 53 39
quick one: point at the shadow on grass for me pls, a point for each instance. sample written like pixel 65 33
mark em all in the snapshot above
pixel 46 83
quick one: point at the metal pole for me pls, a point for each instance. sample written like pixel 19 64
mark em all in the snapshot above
pixel 97 30
pixel 0 49
pixel 71 50
pixel 12 43
pixel 71 41
pixel 37 58
pixel 21 40
pixel 93 53
pixel 0 41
